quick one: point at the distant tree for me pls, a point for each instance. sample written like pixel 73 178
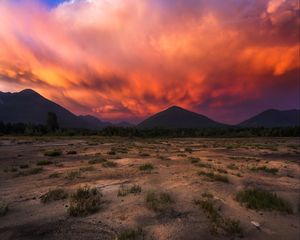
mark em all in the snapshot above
pixel 52 123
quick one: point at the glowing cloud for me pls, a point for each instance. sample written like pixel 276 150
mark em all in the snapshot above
pixel 126 59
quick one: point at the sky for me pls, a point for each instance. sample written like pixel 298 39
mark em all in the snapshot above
pixel 127 59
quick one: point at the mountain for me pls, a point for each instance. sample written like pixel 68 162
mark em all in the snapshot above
pixel 177 117
pixel 124 124
pixel 28 106
pixel 94 121
pixel 274 118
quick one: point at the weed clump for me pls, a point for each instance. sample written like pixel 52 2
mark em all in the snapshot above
pixel 44 163
pixel 148 167
pixel 3 208
pixel 126 190
pixel 159 202
pixel 215 177
pixel 132 234
pixel 53 153
pixel 259 199
pixel 85 201
pixel 54 195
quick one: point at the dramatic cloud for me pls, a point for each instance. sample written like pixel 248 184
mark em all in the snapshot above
pixel 127 59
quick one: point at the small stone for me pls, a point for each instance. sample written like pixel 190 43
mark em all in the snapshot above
pixel 256 224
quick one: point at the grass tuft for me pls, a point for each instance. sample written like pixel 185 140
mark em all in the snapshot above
pixel 158 202
pixel 53 153
pixel 148 167
pixel 132 234
pixel 85 201
pixel 259 199
pixel 215 177
pixel 54 195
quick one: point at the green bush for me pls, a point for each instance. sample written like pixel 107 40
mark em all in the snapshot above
pixel 84 202
pixel 215 177
pixel 97 160
pixel 260 199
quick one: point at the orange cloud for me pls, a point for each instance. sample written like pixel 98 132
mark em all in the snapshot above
pixel 127 59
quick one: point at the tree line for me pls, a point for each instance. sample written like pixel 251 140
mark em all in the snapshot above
pixel 52 128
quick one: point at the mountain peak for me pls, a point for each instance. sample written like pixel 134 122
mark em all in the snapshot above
pixel 29 91
pixel 177 117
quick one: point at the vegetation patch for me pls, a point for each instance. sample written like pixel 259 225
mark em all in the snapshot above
pixel 126 190
pixel 159 202
pixel 73 175
pixel 53 153
pixel 215 177
pixel 85 201
pixel 87 169
pixel 148 167
pixel 132 234
pixel 260 199
pixel 109 164
pixel 32 171
pixel 23 166
pixel 265 169
pixel 44 162
pixel 194 160
pixel 72 152
pixel 228 226
pixel 97 160
pixel 3 208
pixel 54 195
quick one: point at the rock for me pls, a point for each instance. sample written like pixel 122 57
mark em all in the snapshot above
pixel 256 224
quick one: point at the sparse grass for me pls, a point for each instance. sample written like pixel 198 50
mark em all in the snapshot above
pixel 53 153
pixel 44 162
pixel 111 152
pixel 125 190
pixel 3 208
pixel 188 149
pixel 144 154
pixel 221 170
pixel 109 164
pixel 85 201
pixel 32 171
pixel 231 227
pixel 73 175
pixel 215 177
pixel 158 202
pixel 204 165
pixel 207 195
pixel 194 160
pixel 23 166
pixel 54 175
pixel 232 166
pixel 148 167
pixel 87 169
pixel 54 195
pixel 260 199
pixel 132 234
pixel 72 152
pixel 97 160
pixel 265 169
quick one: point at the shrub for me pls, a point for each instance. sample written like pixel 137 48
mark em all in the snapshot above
pixel 3 208
pixel 215 177
pixel 87 169
pixel 259 199
pixel 31 171
pixel 194 159
pixel 73 175
pixel 84 202
pixel 44 162
pixel 125 190
pixel 109 164
pixel 158 202
pixel 148 167
pixel 71 152
pixel 23 166
pixel 53 153
pixel 132 234
pixel 218 222
pixel 97 160
pixel 144 154
pixel 265 169
pixel 54 195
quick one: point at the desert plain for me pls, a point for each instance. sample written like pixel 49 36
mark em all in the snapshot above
pixel 160 188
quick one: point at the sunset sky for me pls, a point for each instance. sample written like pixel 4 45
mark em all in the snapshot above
pixel 127 59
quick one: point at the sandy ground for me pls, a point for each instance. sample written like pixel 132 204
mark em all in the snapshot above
pixel 28 218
